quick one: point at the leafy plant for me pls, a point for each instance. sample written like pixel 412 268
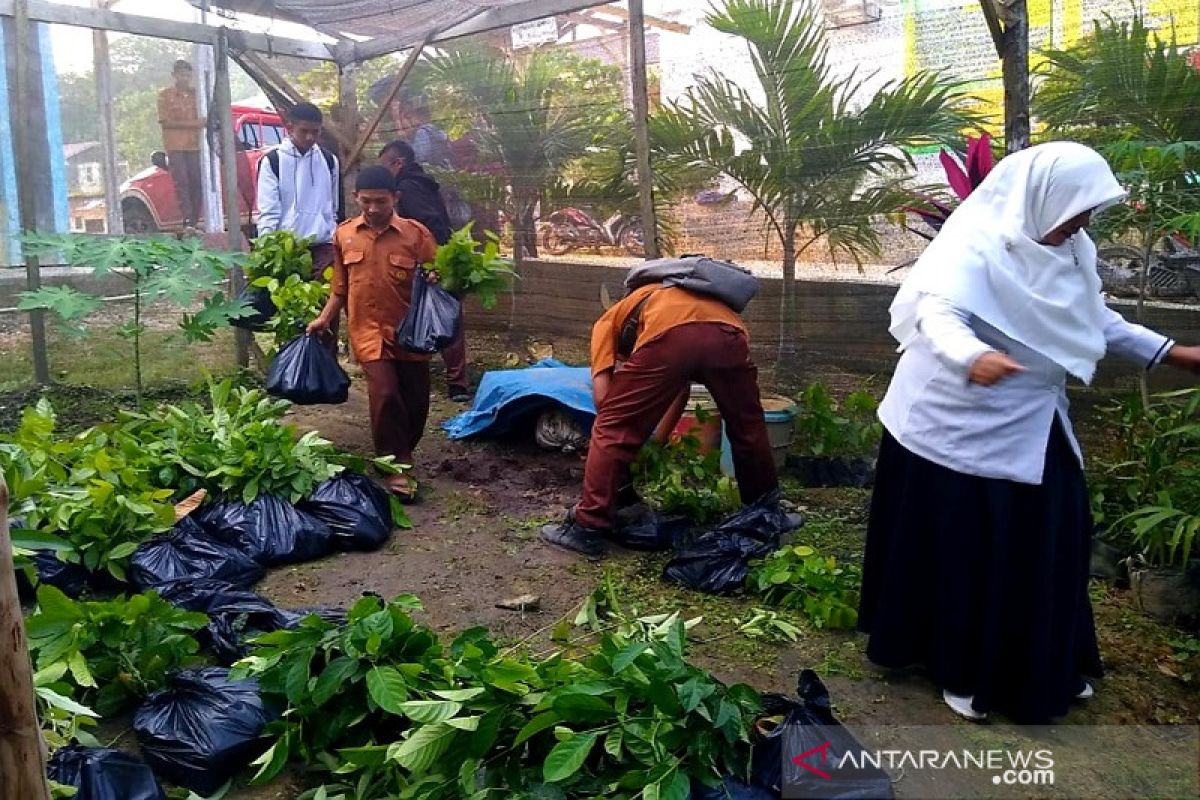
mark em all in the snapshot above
pixel 762 623
pixel 677 478
pixel 236 446
pixel 113 652
pixel 281 263
pixel 465 269
pixel 180 272
pixel 297 302
pixel 826 427
pixel 1147 493
pixel 93 490
pixel 963 178
pixel 279 255
pixel 820 156
pixel 383 708
pixel 800 577
pixel 62 719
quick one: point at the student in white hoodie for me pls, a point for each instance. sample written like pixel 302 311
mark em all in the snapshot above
pixel 298 188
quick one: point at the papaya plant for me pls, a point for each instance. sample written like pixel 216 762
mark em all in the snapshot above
pixel 176 271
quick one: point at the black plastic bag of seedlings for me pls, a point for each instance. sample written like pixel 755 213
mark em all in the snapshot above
pixel 258 300
pixel 355 508
pixel 234 614
pixel 189 552
pixel 433 318
pixel 306 373
pixel 98 773
pixel 270 529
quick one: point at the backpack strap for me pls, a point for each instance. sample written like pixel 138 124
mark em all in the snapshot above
pixel 627 337
pixel 272 157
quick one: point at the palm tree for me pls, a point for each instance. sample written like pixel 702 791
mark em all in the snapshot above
pixel 819 158
pixel 524 120
pixel 1123 81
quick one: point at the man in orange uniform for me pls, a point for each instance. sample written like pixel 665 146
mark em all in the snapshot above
pixel 181 127
pixel 376 256
pixel 679 337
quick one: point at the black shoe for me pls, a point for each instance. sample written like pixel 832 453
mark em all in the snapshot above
pixel 573 536
pixel 458 394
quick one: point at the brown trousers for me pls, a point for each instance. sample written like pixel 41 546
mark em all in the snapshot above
pixel 455 356
pixel 184 166
pixel 398 394
pixel 710 353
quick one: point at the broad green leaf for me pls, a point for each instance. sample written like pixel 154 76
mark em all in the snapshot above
pixel 57 700
pixel 567 757
pixel 427 711
pixel 387 688
pixel 272 762
pixel 332 678
pixel 459 695
pixel 535 726
pixel 465 723
pixel 421 750
pixel 628 655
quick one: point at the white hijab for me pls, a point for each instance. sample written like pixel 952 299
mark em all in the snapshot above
pixel 987 259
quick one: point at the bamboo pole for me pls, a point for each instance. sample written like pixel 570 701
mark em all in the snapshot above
pixel 102 67
pixel 369 131
pixel 22 761
pixel 641 129
pixel 222 100
pixel 19 99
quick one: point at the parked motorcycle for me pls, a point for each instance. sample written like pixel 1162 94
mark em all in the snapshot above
pixel 570 229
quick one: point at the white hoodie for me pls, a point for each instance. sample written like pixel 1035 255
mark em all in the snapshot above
pixel 302 198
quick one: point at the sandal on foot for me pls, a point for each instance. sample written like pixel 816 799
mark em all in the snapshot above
pixel 404 488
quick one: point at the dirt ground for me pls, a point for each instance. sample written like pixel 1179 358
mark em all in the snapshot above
pixel 474 543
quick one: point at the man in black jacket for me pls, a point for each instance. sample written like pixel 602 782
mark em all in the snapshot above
pixel 419 197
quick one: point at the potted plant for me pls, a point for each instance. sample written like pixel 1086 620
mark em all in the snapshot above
pixel 837 439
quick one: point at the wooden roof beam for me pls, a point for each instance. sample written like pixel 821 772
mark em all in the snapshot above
pixel 121 22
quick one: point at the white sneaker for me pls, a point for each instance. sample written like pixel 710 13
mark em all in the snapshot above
pixel 961 704
pixel 1086 693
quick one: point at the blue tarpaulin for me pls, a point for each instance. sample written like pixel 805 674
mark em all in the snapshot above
pixel 508 397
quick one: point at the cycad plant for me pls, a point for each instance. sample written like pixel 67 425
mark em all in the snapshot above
pixel 1122 81
pixel 523 119
pixel 820 156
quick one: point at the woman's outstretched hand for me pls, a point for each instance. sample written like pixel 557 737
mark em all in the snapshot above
pixel 992 367
pixel 1184 357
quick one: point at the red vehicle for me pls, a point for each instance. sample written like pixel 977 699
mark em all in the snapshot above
pixel 148 202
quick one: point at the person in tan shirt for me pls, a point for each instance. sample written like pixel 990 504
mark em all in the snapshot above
pixel 181 127
pixel 376 256
pixel 674 337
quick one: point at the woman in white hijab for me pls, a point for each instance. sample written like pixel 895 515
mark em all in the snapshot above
pixel 980 532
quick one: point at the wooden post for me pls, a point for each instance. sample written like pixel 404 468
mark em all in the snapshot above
pixel 19 101
pixel 369 131
pixel 22 762
pixel 222 100
pixel 641 130
pixel 1016 75
pixel 345 129
pixel 115 221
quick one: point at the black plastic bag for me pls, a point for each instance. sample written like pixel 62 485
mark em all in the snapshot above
pixel 72 579
pixel 433 319
pixel 305 372
pixel 234 614
pixel 731 789
pixel 824 471
pixel 294 616
pixel 103 774
pixel 188 552
pixel 639 527
pixel 202 728
pixel 717 561
pixel 355 508
pixel 258 299
pixel 807 726
pixel 270 530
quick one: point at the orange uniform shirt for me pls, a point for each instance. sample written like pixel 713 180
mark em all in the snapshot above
pixel 177 107
pixel 373 274
pixel 670 307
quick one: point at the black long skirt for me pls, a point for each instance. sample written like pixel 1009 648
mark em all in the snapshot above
pixel 982 581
